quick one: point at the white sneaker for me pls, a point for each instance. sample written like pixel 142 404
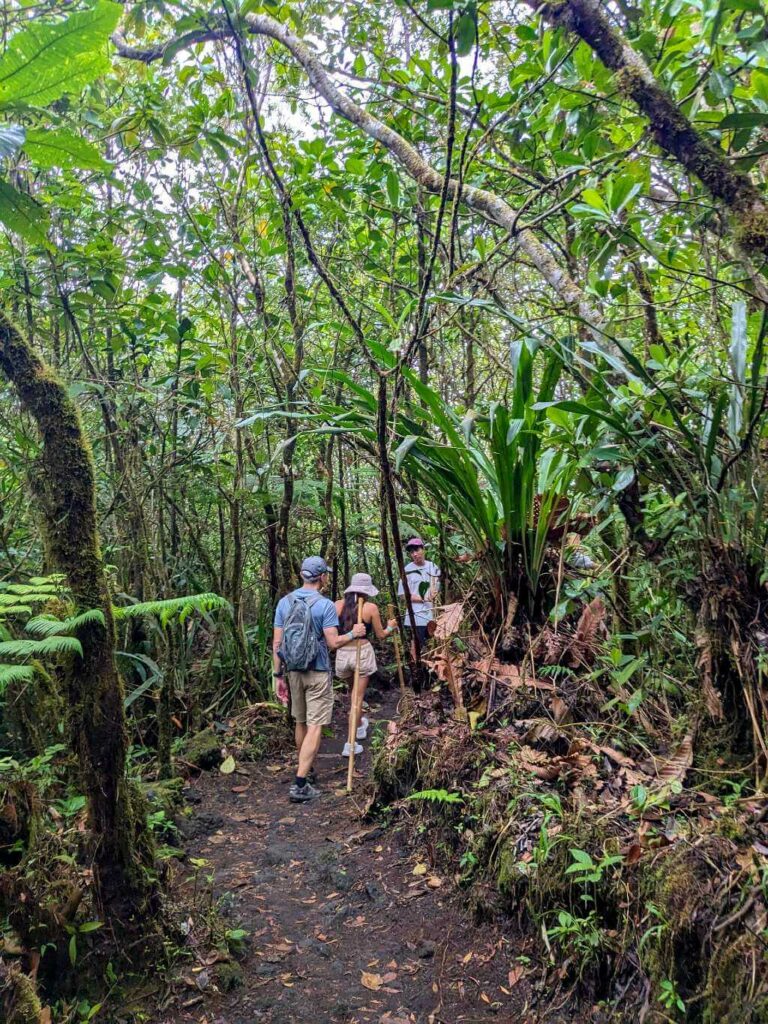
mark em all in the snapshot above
pixel 362 729
pixel 346 751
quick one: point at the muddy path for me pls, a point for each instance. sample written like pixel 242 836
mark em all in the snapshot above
pixel 340 927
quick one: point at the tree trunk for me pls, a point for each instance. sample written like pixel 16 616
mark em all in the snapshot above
pixel 122 846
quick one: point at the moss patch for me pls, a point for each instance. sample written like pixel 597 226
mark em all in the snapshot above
pixel 204 750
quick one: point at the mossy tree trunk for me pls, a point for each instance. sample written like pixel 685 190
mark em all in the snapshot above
pixel 116 818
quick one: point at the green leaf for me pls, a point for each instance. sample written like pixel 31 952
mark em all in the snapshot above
pixel 48 59
pixel 21 214
pixel 721 85
pixel 60 148
pixel 393 188
pixel 15 674
pixel 89 926
pixel 41 648
pixel 746 119
pixel 465 34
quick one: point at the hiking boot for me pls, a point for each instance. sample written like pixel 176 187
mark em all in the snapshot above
pixel 362 729
pixel 346 751
pixel 302 794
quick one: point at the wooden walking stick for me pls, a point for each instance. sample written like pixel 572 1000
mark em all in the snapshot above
pixel 398 652
pixel 353 704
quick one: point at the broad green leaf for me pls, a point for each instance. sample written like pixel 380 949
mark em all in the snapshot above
pixel 465 34
pixel 48 59
pixel 746 119
pixel 60 148
pixel 393 188
pixel 21 214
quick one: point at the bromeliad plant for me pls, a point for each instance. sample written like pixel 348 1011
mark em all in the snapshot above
pixel 494 475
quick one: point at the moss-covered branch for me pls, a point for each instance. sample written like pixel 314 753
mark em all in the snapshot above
pixel 671 129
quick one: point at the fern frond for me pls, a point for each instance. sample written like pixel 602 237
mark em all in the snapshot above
pixel 174 606
pixel 41 648
pixel 15 674
pixel 438 796
pixel 49 625
pixel 23 589
pixel 15 609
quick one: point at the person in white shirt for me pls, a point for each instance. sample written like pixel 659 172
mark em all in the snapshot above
pixel 423 579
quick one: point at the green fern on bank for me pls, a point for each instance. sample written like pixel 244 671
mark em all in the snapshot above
pixel 172 607
pixel 55 636
pixel 49 647
pixel 49 625
pixel 437 796
pixel 15 674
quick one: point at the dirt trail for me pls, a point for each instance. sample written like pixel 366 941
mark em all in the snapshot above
pixel 333 905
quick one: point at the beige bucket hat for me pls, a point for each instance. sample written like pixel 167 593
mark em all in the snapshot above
pixel 361 583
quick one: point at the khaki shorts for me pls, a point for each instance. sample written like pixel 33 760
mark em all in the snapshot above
pixel 346 658
pixel 311 697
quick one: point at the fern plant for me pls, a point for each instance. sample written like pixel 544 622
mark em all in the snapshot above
pixel 53 636
pixel 437 796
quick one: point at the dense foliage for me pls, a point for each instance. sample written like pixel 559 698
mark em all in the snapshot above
pixel 286 278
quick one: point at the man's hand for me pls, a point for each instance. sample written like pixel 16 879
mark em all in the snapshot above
pixel 359 630
pixel 392 624
pixel 281 690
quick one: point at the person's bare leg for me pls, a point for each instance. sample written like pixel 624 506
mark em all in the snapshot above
pixel 300 732
pixel 309 748
pixel 362 683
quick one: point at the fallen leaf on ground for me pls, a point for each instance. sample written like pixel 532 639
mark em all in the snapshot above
pixel 434 882
pixel 420 869
pixel 515 975
pixel 371 981
pixel 227 766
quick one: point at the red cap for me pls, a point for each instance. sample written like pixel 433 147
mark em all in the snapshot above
pixel 415 542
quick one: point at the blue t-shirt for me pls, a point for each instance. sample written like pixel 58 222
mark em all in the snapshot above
pixel 323 616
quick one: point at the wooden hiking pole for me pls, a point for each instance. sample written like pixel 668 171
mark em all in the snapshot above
pixel 353 703
pixel 398 653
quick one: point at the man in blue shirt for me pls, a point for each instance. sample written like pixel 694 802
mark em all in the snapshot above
pixel 312 690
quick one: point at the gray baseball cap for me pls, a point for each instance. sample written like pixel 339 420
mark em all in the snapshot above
pixel 314 567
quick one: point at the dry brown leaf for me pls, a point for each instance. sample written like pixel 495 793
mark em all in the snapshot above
pixel 633 854
pixel 371 981
pixel 515 975
pixel 434 882
pixel 679 763
pixel 448 621
pixel 560 710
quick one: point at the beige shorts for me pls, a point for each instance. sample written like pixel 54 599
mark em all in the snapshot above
pixel 346 657
pixel 311 697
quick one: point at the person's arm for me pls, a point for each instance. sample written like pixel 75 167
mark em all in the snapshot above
pixel 277 662
pixel 434 582
pixel 278 673
pixel 334 641
pixel 331 630
pixel 378 628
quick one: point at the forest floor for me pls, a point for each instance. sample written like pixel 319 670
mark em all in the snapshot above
pixel 341 927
